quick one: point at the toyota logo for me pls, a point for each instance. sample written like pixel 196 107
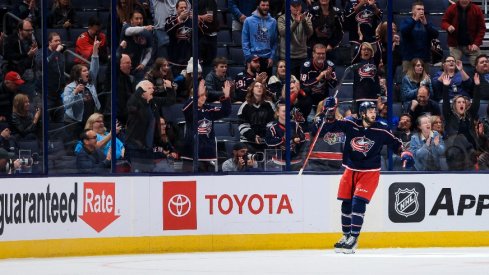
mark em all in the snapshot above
pixel 179 205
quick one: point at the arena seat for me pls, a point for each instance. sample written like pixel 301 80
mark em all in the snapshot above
pixel 173 113
pixel 223 129
pixel 236 55
pixel 224 37
pixel 233 70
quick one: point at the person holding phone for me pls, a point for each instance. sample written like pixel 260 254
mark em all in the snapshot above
pixel 22 49
pixel 80 97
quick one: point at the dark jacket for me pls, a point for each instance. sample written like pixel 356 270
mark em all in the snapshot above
pixel 6 100
pixel 126 90
pixel 95 161
pixel 139 117
pixel 56 76
pixel 16 55
pixel 432 107
pixel 416 39
pixel 214 86
pixel 58 16
pixel 23 126
pixel 454 124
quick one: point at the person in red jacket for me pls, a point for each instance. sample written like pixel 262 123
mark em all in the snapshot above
pixel 84 42
pixel 465 25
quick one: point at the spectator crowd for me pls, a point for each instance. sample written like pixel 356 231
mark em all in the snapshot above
pixel 241 114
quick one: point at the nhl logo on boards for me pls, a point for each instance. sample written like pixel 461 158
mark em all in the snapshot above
pixel 406 202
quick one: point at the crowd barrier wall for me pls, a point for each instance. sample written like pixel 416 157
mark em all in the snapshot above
pixel 67 216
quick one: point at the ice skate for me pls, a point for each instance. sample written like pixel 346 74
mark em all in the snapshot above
pixel 350 245
pixel 338 247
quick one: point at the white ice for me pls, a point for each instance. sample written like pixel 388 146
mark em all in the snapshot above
pixel 446 261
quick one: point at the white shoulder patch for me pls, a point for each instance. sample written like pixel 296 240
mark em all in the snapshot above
pixel 307 64
pixel 383 123
pixel 330 63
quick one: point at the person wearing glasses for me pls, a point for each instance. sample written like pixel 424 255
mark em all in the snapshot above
pixel 460 82
pixel 21 49
pixel 91 159
pixel 96 123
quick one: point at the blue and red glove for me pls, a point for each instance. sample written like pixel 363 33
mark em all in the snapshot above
pixel 329 108
pixel 407 160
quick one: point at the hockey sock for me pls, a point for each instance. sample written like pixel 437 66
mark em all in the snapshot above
pixel 346 217
pixel 358 212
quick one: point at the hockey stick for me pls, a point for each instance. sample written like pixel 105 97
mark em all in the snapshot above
pixel 310 148
pixel 346 72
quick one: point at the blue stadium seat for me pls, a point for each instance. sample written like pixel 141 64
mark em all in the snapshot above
pixel 236 35
pixel 346 91
pixel 224 37
pixel 236 55
pixel 435 19
pixel 434 6
pixel 222 4
pixel 102 74
pixel 400 17
pixel 442 36
pixel 382 4
pixel 74 33
pixel 104 17
pixel 401 6
pixel 84 16
pixel 223 129
pixel 91 4
pixel 483 110
pixel 222 51
pixel 173 113
pixel 397 108
pixel 234 70
pixel 224 23
pixel 32 145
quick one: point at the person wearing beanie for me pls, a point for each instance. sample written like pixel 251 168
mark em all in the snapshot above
pixel 241 160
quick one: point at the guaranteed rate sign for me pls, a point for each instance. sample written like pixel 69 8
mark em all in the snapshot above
pixel 99 204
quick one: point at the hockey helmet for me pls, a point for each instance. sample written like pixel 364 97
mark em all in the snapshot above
pixel 364 106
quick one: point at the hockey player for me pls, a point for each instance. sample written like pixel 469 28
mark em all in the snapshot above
pixel 364 139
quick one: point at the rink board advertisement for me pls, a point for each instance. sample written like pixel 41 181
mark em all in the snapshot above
pixel 211 212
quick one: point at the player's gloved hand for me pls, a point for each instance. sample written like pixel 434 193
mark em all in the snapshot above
pixel 329 102
pixel 407 160
pixel 329 108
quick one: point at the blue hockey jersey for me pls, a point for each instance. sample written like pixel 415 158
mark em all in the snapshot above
pixel 363 146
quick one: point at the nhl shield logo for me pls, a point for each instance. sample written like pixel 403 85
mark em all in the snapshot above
pixel 407 203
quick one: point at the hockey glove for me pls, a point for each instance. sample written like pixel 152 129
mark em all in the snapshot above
pixel 407 160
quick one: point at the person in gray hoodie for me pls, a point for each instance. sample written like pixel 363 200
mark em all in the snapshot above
pixel 300 31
